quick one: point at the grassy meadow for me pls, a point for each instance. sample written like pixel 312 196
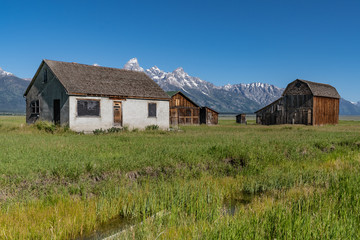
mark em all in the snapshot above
pixel 208 182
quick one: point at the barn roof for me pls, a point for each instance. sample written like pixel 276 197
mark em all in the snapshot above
pixel 319 89
pixel 79 79
pixel 172 93
pixel 269 105
pixel 210 109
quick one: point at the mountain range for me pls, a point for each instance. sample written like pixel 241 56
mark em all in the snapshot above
pixel 231 98
pixel 12 89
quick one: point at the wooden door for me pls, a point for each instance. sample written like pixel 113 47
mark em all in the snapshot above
pixel 57 111
pixel 117 114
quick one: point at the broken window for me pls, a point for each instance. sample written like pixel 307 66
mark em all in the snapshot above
pixel 152 109
pixel 87 107
pixel 35 107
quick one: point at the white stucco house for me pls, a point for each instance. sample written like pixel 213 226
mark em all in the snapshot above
pixel 87 97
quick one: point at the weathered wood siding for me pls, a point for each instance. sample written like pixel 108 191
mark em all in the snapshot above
pixel 299 105
pixel 183 111
pixel 46 92
pixel 272 114
pixel 241 118
pixel 290 109
pixel 326 111
pixel 208 116
pixel 297 88
pixel 298 109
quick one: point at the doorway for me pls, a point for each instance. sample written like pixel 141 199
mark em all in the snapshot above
pixel 57 111
pixel 117 114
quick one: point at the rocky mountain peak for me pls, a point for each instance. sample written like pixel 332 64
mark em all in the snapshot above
pixel 133 65
pixel 3 73
pixel 231 98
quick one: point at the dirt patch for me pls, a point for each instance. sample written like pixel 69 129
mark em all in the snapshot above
pixel 133 175
pixel 235 162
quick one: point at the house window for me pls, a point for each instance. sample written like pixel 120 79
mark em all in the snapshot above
pixel 35 107
pixel 188 112
pixel 152 109
pixel 86 107
pixel 177 102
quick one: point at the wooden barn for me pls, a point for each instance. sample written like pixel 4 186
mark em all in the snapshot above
pixel 182 109
pixel 208 116
pixel 303 102
pixel 241 118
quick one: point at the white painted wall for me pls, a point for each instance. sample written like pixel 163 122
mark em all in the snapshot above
pixel 89 124
pixel 134 113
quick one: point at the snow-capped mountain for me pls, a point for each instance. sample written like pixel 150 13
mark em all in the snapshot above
pixel 261 93
pixel 12 89
pixel 133 65
pixel 4 73
pixel 349 108
pixel 228 98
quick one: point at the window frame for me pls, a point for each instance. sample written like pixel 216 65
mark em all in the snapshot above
pixel 35 106
pixel 87 99
pixel 155 104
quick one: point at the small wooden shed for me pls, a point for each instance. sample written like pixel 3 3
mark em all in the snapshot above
pixel 303 102
pixel 182 109
pixel 208 116
pixel 241 118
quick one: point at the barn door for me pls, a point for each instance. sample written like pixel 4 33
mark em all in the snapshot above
pixel 117 114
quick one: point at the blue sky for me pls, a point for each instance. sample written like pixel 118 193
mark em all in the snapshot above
pixel 219 41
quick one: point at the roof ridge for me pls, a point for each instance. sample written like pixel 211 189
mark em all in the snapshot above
pixel 311 82
pixel 78 78
pixel 88 65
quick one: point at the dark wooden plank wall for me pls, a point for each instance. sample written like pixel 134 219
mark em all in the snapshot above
pixel 272 114
pixel 326 111
pixel 290 109
pixel 211 117
pixel 298 109
pixel 241 118
pixel 182 111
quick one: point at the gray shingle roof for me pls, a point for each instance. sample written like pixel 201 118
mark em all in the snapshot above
pixel 320 89
pixel 95 80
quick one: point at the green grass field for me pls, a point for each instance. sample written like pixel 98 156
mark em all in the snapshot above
pixel 212 182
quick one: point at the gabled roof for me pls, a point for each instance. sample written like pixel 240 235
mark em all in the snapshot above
pixel 267 106
pixel 81 79
pixel 210 109
pixel 318 89
pixel 172 93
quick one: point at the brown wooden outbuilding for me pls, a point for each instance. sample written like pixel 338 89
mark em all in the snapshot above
pixel 208 116
pixel 303 102
pixel 182 109
pixel 241 118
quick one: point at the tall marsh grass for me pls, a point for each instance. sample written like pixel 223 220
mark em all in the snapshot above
pixel 285 181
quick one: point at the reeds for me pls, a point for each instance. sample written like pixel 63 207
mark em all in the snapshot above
pixel 292 182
